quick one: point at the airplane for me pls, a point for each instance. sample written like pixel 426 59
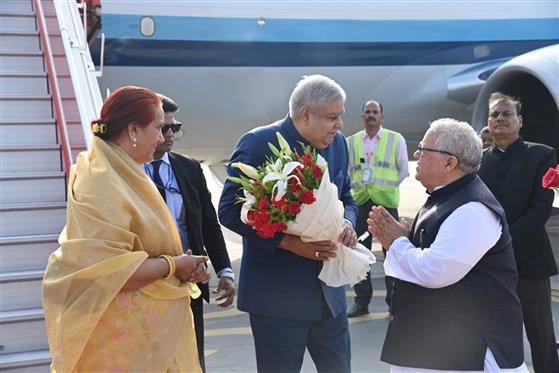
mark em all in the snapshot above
pixel 231 65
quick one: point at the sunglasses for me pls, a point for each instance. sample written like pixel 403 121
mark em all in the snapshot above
pixel 175 127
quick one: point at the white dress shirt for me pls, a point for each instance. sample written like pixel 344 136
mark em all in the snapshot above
pixel 463 239
pixel 173 196
pixel 370 146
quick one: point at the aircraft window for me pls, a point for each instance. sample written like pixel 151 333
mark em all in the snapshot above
pixel 147 26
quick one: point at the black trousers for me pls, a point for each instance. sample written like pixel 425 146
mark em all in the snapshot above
pixel 535 297
pixel 197 306
pixel 364 289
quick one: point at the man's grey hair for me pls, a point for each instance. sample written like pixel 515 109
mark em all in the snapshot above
pixel 314 90
pixel 460 139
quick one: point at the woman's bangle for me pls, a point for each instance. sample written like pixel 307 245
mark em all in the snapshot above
pixel 172 265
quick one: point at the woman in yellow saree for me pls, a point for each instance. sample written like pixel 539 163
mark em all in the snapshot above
pixel 116 294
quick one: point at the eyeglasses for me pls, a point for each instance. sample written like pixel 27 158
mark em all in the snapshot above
pixel 175 127
pixel 421 149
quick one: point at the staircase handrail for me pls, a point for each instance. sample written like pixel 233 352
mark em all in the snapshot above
pixel 53 83
pixel 80 64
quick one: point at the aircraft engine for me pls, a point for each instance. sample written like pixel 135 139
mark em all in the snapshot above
pixel 534 78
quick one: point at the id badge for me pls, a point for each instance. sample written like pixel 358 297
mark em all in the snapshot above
pixel 366 175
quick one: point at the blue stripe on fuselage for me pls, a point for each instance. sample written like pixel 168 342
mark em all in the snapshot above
pixel 134 52
pixel 223 29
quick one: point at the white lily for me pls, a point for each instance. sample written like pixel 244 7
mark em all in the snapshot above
pixel 250 200
pixel 247 170
pixel 284 145
pixel 282 178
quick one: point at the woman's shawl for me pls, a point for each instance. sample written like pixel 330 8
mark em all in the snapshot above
pixel 115 220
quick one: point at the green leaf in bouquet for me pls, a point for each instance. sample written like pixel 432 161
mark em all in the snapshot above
pixel 234 179
pixel 247 185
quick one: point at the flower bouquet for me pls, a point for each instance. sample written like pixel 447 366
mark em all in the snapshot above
pixel 551 181
pixel 292 193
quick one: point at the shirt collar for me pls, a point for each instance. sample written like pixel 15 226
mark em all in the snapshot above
pixel 513 148
pixel 376 136
pixel 453 186
pixel 165 158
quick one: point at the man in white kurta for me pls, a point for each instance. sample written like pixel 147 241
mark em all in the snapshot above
pixel 447 258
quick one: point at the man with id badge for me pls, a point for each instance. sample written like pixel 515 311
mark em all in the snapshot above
pixel 378 163
pixel 182 185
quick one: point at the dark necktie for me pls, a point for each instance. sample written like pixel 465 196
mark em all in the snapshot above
pixel 157 179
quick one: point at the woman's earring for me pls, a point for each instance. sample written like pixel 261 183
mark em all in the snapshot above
pixel 134 142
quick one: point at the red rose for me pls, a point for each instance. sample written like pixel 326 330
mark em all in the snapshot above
pixel 307 197
pixel 268 230
pixel 294 208
pixel 307 159
pixel 281 203
pixel 295 188
pixel 261 217
pixel 316 171
pixel 265 232
pixel 551 178
pixel 280 226
pixel 300 176
pixel 262 204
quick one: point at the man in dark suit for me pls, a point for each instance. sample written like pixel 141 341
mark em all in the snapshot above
pixel 513 170
pixel 181 182
pixel 290 308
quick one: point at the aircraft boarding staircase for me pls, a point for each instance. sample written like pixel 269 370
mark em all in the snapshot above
pixel 34 157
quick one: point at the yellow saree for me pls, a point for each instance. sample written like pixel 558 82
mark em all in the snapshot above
pixel 115 220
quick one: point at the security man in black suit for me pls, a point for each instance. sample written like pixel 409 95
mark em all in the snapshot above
pixel 181 182
pixel 513 170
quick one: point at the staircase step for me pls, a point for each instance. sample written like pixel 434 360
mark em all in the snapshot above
pixel 33 106
pixel 19 131
pixel 26 253
pixel 21 290
pixel 30 158
pixel 26 362
pixel 32 219
pixel 13 62
pixel 23 84
pixel 33 187
pixel 23 330
pixel 22 41
pixel 10 6
pixel 17 21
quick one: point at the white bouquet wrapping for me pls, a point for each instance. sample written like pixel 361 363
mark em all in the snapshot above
pixel 323 220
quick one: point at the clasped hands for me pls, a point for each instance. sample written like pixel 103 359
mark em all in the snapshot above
pixel 385 228
pixel 192 268
pixel 320 250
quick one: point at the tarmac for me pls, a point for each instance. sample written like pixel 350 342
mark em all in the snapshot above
pixel 229 344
